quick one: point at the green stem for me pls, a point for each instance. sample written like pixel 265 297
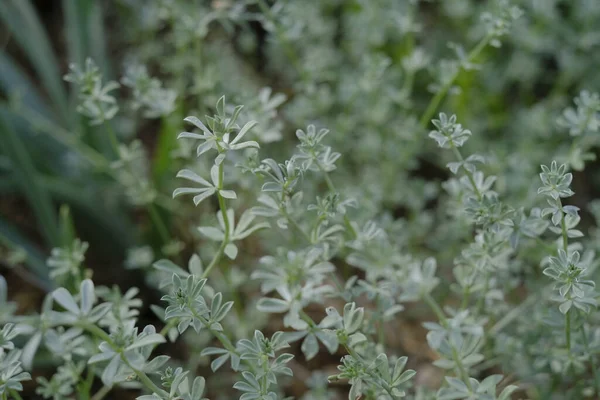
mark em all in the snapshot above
pixel 215 259
pixel 144 378
pixel 297 226
pixel 89 380
pixel 461 369
pixel 565 241
pixel 592 361
pixel 439 96
pixel 15 394
pixel 101 393
pixel 481 300
pixel 165 330
pixel 368 371
pixel 467 172
pixel 436 308
pixel 381 326
pixel 100 333
pixel 223 208
pixel 307 318
pixel 563 225
pixel 112 137
pixel 465 300
pixel 159 223
pixel 332 189
pixel 225 341
pixel 568 330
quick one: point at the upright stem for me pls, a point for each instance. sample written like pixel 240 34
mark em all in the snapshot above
pixel 112 136
pixel 565 242
pixel 225 341
pixel 563 225
pixel 223 208
pixel 439 96
pixel 461 369
pixel 592 361
pixel 101 393
pixel 467 172
pixel 15 395
pixel 101 334
pixel 159 223
pixel 481 301
pixel 568 330
pixel 332 189
pixel 165 330
pixel 297 226
pixel 436 308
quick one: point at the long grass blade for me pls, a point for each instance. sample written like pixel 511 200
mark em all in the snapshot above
pixel 14 82
pixel 28 179
pixel 35 260
pixel 25 26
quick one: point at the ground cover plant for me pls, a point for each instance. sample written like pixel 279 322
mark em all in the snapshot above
pixel 316 199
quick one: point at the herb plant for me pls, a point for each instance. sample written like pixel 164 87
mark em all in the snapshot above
pixel 315 200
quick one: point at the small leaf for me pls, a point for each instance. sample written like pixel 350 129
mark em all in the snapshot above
pixel 65 299
pixel 148 340
pixel 231 251
pixel 88 297
pixel 271 305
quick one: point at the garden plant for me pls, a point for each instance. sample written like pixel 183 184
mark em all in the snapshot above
pixel 309 199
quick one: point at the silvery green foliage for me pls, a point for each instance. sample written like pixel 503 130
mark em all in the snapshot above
pixel 264 107
pixel 131 169
pixel 139 257
pixel 148 93
pixel 66 263
pixel 342 240
pixel 178 383
pixel 11 372
pixel 96 101
pixel 449 134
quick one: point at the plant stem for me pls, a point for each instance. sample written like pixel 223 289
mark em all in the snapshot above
pixel 101 393
pixel 369 371
pixel 481 300
pixel 223 208
pixel 15 395
pixel 165 330
pixel 568 330
pixel 225 341
pixel 332 189
pixel 461 369
pixel 439 96
pixel 436 308
pixel 467 172
pixel 159 223
pixel 112 136
pixel 100 333
pixel 89 380
pixel 592 361
pixel 465 300
pixel 297 226
pixel 563 225
pixel 565 242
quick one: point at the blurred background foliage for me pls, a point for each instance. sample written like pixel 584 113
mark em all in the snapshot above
pixel 368 70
